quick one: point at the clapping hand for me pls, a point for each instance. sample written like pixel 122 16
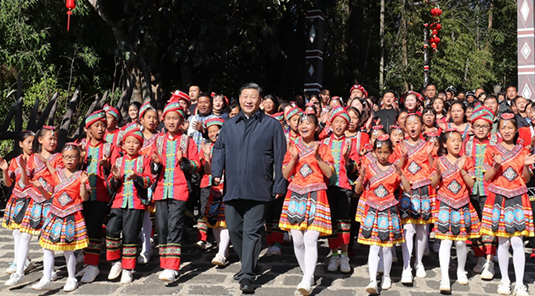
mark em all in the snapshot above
pixel 131 177
pixel 37 184
pixel 317 151
pixel 398 169
pixel 104 162
pixel 345 152
pixel 294 152
pixel 529 160
pixel 404 151
pixel 155 157
pixel 462 162
pixel 179 155
pixel 3 164
pixel 362 171
pixel 40 157
pixel 116 172
pixel 84 177
pixel 429 149
pixel 437 166
pixel 197 125
pixel 497 159
pixel 206 149
pixel 23 162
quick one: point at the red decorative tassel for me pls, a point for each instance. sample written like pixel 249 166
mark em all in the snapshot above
pixel 69 19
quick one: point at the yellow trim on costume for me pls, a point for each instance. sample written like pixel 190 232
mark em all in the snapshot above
pixel 502 233
pixel 78 245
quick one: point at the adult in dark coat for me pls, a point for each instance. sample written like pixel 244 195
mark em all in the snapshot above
pixel 387 114
pixel 249 153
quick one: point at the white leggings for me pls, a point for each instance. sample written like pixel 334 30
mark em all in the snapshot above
pixel 23 246
pixel 306 251
pixel 444 255
pixel 420 230
pixel 373 261
pixel 16 241
pixel 222 237
pixel 519 261
pixel 48 263
pixel 145 233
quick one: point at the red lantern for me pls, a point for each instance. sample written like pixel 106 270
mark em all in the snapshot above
pixel 436 26
pixel 434 45
pixel 70 4
pixel 436 12
pixel 435 40
pixel 434 32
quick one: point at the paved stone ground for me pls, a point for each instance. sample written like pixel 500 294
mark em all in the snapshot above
pixel 280 276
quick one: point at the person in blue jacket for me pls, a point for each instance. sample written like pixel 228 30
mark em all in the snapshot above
pixel 249 153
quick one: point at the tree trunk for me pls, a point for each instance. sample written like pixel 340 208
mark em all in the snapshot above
pixel 489 28
pixel 382 37
pixel 403 35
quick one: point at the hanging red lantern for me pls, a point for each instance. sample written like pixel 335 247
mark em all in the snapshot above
pixel 434 45
pixel 435 39
pixel 70 4
pixel 436 12
pixel 434 32
pixel 436 26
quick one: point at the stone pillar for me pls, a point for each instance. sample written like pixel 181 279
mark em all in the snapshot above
pixel 526 49
pixel 314 51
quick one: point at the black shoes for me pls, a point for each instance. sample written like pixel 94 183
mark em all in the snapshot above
pixel 257 271
pixel 246 286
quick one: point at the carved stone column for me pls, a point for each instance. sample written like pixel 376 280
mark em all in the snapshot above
pixel 314 51
pixel 526 49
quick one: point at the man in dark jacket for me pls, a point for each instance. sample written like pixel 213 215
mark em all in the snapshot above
pixel 387 114
pixel 249 152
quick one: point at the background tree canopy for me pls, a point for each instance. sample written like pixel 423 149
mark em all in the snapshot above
pixel 154 47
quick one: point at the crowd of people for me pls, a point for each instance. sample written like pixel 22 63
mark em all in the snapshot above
pixel 385 172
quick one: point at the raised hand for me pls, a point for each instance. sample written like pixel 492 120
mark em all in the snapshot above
pixel 116 172
pixel 529 160
pixel 317 150
pixel 185 125
pixel 498 159
pixel 155 157
pixel 293 151
pixel 206 149
pixel 40 157
pixel 345 151
pixel 362 151
pixel 84 177
pixel 442 124
pixel 197 125
pixel 398 169
pixel 429 149
pixel 462 162
pixel 104 162
pixel 179 155
pixel 23 162
pixel 37 184
pixel 362 171
pixel 439 171
pixel 404 151
pixel 3 164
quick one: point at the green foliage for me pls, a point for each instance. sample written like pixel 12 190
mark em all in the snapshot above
pixel 222 44
pixel 470 55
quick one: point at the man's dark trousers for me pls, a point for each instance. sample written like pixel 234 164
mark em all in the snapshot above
pixel 245 222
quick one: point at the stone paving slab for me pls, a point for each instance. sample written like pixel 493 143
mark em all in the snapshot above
pixel 279 275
